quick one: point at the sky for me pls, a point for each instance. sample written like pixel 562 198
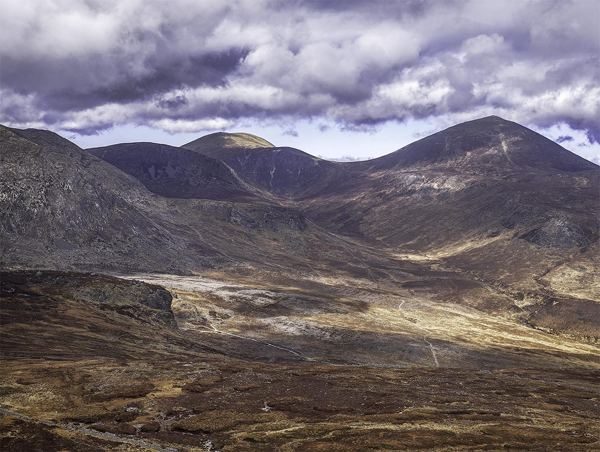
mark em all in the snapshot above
pixel 338 78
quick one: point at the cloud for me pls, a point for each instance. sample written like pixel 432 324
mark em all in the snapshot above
pixel 199 65
pixel 565 138
pixel 345 158
pixel 291 133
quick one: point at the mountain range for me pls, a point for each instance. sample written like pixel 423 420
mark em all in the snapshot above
pixel 475 195
pixel 210 271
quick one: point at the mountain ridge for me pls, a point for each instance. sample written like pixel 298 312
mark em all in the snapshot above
pixel 64 208
pixel 488 143
pixel 475 209
pixel 175 172
pixel 217 143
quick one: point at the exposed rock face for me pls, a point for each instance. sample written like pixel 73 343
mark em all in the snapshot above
pixel 135 298
pixel 563 232
pixel 61 204
pixel 175 172
pixel 255 216
pixel 273 218
pixel 115 291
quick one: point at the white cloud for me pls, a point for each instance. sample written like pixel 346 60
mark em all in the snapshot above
pixel 190 64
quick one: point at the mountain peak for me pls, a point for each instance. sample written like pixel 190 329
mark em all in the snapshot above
pixel 492 118
pixel 486 145
pixel 214 144
pixel 45 139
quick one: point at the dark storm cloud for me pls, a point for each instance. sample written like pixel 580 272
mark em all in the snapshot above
pixel 370 8
pixel 189 65
pixel 172 103
pixel 565 138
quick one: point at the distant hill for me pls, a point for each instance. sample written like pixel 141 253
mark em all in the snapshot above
pixel 491 145
pixel 223 145
pixel 282 171
pixel 175 172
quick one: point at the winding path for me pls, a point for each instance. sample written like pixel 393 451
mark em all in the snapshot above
pixel 285 349
pixel 437 363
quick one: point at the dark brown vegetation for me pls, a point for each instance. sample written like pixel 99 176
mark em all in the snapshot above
pixel 86 357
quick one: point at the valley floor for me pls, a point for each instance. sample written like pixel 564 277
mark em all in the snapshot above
pixel 281 364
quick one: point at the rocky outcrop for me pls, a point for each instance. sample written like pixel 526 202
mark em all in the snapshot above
pixel 272 218
pixel 564 232
pixel 134 298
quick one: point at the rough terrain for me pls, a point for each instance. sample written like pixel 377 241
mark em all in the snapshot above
pixel 232 295
pixel 88 365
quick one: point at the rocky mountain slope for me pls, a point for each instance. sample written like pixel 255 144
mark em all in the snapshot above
pixel 61 205
pixel 477 195
pixel 174 172
pixel 63 208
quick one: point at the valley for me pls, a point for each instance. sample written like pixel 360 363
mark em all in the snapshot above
pixel 231 295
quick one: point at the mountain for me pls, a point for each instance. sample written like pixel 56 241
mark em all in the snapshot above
pixel 477 195
pixel 175 172
pixel 223 145
pixel 478 198
pixel 281 171
pixel 63 208
pixel 489 145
